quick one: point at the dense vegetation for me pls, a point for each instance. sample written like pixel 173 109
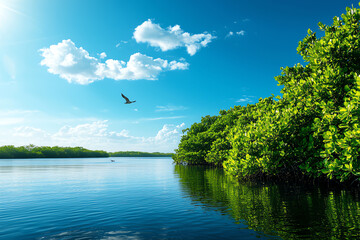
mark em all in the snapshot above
pixel 139 154
pixel 312 129
pixel 32 151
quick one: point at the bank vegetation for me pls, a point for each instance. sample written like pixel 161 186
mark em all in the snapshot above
pixel 312 129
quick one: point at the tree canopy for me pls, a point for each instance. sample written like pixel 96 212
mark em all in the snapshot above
pixel 313 128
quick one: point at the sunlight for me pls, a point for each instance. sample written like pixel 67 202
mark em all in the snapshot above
pixel 8 13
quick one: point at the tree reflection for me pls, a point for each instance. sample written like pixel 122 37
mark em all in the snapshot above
pixel 286 210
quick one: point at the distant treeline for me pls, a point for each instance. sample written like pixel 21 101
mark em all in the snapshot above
pixel 139 154
pixel 32 151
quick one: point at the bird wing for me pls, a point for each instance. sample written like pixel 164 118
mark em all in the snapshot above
pixel 125 98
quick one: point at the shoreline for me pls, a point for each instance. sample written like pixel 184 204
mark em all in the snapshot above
pixel 1 158
pixel 290 177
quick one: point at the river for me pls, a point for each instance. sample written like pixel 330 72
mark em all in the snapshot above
pixel 150 198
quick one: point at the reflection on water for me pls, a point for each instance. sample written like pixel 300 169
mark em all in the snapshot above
pixel 131 198
pixel 151 198
pixel 96 234
pixel 288 211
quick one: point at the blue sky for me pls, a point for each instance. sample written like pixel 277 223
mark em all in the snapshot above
pixel 65 63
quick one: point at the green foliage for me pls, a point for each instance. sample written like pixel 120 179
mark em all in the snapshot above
pixel 139 154
pixel 32 151
pixel 313 128
pixel 206 142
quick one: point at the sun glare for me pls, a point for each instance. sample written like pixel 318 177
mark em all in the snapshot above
pixel 8 14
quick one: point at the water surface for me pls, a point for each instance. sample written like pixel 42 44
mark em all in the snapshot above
pixel 150 198
pixel 290 211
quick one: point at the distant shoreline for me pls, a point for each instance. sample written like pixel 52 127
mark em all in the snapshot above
pixel 32 151
pixel 140 154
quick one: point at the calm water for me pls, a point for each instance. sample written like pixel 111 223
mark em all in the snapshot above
pixel 151 198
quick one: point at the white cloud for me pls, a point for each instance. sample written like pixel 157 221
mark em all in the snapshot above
pixel 95 129
pixel 30 132
pixel 230 34
pixel 71 63
pixel 95 135
pixel 169 108
pixel 138 67
pixel 120 43
pixel 103 55
pixel 174 65
pixel 166 133
pixel 123 133
pixel 246 98
pixel 241 33
pixel 168 136
pixel 170 38
pixel 76 65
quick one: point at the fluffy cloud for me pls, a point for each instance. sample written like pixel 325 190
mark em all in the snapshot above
pixel 94 129
pixel 76 65
pixel 170 38
pixel 174 65
pixel 168 133
pixel 95 135
pixel 70 62
pixel 138 67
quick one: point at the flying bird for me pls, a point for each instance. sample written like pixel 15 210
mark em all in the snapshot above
pixel 127 100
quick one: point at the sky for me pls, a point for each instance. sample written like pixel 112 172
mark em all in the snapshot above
pixel 65 63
